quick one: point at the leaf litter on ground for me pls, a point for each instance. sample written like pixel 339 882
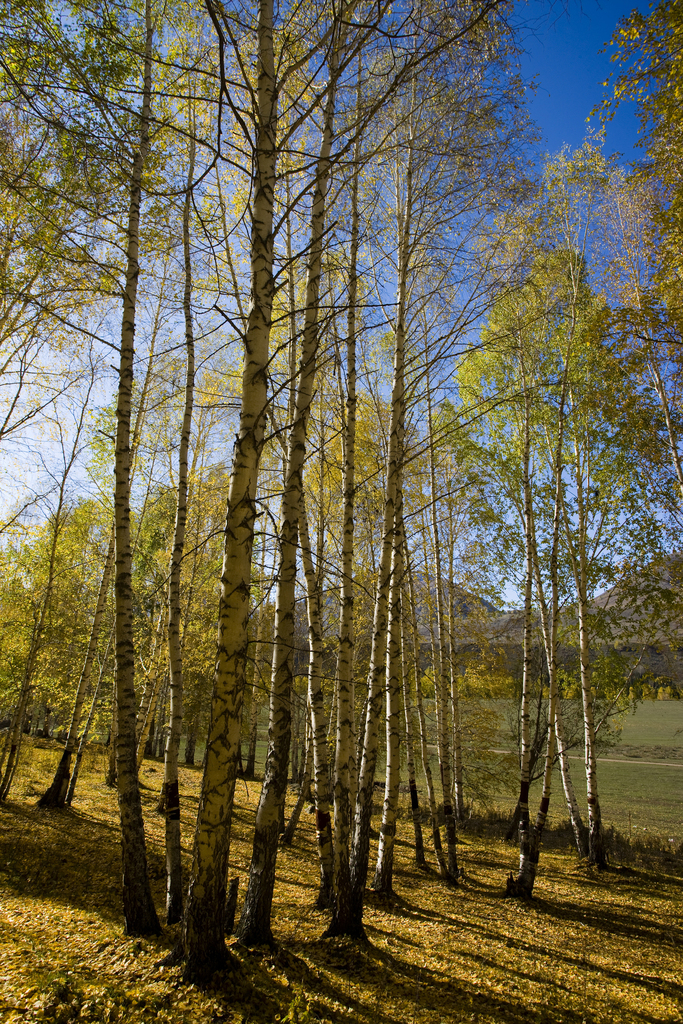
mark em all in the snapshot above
pixel 590 947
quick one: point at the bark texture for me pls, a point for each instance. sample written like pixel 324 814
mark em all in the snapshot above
pixel 254 927
pixel 384 871
pixel 138 905
pixel 360 849
pixel 345 752
pixel 317 712
pixel 203 923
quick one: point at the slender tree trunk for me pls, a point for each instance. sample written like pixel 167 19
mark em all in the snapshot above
pixel 17 721
pixel 597 853
pixel 55 796
pixel 254 927
pixel 144 722
pixel 203 925
pixel 578 827
pixel 523 802
pixel 110 774
pixel 383 881
pixel 257 684
pixel 41 612
pixel 174 896
pixel 344 761
pixel 86 729
pixel 455 675
pixel 529 852
pixel 190 744
pixel 410 754
pixel 360 850
pixel 317 713
pixel 147 730
pixel 296 718
pixel 138 905
pixel 304 791
pixel 424 740
pixel 440 684
pixel 579 558
pixel 16 728
pixel 666 409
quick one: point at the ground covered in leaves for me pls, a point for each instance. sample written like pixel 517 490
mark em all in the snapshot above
pixel 590 947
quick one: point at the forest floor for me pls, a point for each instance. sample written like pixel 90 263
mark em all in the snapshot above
pixel 590 947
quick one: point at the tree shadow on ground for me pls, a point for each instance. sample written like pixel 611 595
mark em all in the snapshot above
pixel 614 922
pixel 620 924
pixel 69 858
pixel 418 988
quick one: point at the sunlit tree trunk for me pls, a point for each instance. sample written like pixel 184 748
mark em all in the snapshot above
pixel 578 827
pixel 455 676
pixel 317 711
pixel 254 926
pixel 110 772
pixel 672 433
pixel 441 688
pixel 257 685
pixel 383 880
pixel 360 850
pixel 530 850
pixel 579 558
pixel 203 924
pixel 523 802
pixel 138 905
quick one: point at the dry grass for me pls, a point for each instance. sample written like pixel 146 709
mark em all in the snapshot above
pixel 588 948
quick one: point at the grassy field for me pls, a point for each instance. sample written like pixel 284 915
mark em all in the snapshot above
pixel 654 730
pixel 638 798
pixel 589 948
pixel 640 778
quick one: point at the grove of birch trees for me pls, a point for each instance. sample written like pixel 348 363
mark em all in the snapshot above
pixel 311 367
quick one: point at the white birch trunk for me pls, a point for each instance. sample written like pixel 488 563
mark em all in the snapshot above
pixel 254 926
pixel 383 881
pixel 578 827
pixel 317 714
pixel 525 754
pixel 361 833
pixel 410 744
pixel 203 924
pixel 441 694
pixel 424 739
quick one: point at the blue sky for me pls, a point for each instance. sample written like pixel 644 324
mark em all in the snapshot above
pixel 563 43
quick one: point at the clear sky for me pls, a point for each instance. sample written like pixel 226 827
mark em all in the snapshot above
pixel 563 43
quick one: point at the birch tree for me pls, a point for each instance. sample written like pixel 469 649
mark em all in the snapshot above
pixel 254 925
